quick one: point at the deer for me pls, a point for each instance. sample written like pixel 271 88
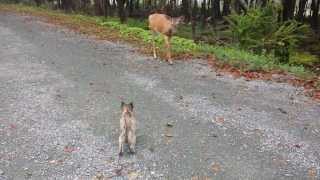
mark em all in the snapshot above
pixel 165 25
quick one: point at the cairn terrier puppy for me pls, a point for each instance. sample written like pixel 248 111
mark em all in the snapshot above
pixel 127 128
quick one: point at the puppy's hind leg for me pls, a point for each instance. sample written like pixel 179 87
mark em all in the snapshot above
pixel 122 139
pixel 132 141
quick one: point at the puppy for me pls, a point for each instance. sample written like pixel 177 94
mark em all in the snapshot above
pixel 127 128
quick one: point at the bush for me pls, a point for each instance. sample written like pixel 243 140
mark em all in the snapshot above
pixel 258 30
pixel 303 58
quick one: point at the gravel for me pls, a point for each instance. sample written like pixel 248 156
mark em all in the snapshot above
pixel 59 116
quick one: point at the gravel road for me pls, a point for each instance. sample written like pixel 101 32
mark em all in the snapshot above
pixel 60 96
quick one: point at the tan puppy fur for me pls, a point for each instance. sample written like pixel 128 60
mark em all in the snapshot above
pixel 127 128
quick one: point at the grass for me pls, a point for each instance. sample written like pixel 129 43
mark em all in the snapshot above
pixel 136 32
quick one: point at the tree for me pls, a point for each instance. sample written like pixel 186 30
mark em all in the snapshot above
pixel 107 8
pixel 264 3
pixel 215 8
pixel 67 5
pixel 38 2
pixel 315 14
pixel 131 7
pixel 288 9
pixel 301 10
pixel 226 8
pixel 195 10
pixel 185 9
pixel 203 13
pixel 137 5
pixel 121 10
pixel 98 8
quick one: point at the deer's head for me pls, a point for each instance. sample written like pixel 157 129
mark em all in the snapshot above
pixel 177 20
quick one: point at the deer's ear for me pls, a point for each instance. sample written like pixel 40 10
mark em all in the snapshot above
pixel 181 19
pixel 178 20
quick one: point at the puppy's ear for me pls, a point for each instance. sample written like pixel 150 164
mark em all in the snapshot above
pixel 131 106
pixel 122 105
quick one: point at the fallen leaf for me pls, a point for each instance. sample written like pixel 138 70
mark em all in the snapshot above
pixel 316 94
pixel 194 178
pixel 280 162
pixel 69 149
pixel 200 178
pixel 251 75
pixel 236 74
pixel 218 120
pixel 258 132
pixel 53 161
pixel 298 145
pixel 13 126
pixel 215 168
pixel 118 171
pixel 132 175
pixel 312 173
pixel 98 176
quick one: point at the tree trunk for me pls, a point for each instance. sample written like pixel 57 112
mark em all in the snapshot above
pixel 236 6
pixel 83 4
pixel 185 9
pixel 288 9
pixel 195 10
pixel 226 8
pixel 215 8
pixel 203 14
pixel 130 7
pixel 121 10
pixel 137 5
pixel 38 2
pixel 114 7
pixel 302 8
pixel 97 8
pixel 66 5
pixel 315 14
pixel 264 3
pixel 106 8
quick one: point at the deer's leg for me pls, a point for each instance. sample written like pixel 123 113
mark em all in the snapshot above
pixel 168 46
pixel 154 45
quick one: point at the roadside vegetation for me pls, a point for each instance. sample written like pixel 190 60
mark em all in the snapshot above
pixel 256 38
